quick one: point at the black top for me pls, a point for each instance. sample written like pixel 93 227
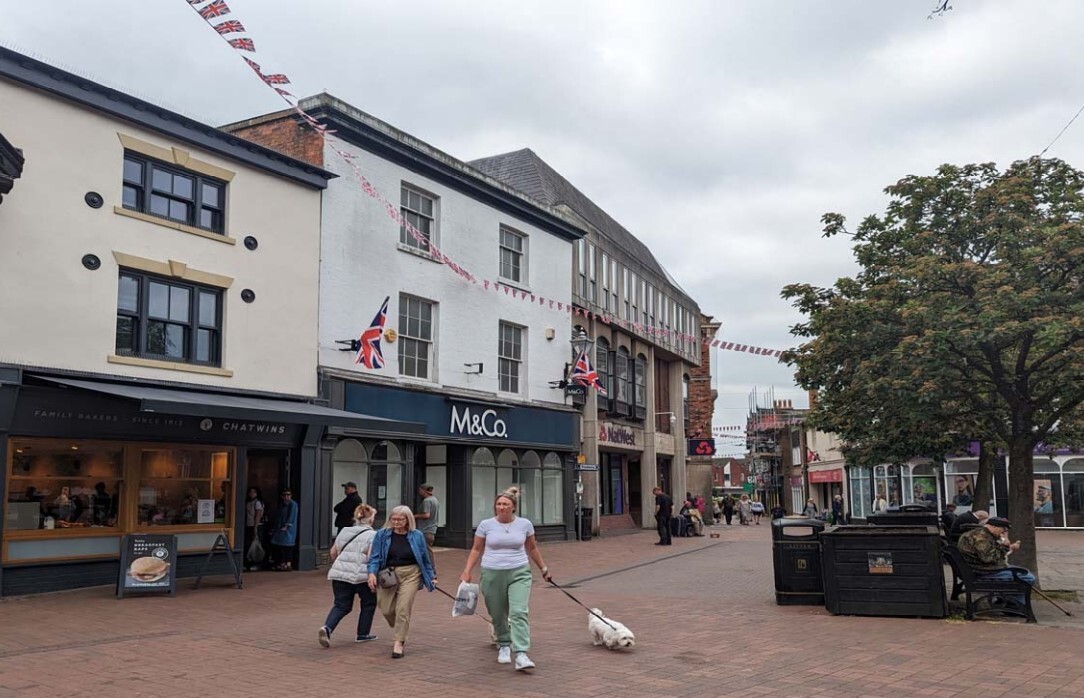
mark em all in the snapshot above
pixel 665 504
pixel 400 553
pixel 344 510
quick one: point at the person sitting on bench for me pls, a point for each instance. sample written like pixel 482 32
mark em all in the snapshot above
pixel 986 547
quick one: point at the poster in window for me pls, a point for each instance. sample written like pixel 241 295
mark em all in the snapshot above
pixel 924 491
pixel 205 511
pixel 963 492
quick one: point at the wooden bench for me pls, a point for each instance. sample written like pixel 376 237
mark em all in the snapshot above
pixel 981 594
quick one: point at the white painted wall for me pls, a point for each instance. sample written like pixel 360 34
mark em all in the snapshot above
pixel 361 264
pixel 55 313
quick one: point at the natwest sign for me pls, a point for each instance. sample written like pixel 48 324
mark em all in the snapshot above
pixel 616 434
pixel 471 421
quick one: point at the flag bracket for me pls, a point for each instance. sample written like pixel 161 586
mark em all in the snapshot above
pixel 353 345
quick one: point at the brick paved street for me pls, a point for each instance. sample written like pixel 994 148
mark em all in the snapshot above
pixel 704 615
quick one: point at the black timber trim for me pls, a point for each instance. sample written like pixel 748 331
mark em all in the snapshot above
pixel 32 73
pixel 472 185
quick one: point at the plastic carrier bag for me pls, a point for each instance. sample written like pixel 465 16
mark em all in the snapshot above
pixel 466 600
pixel 255 552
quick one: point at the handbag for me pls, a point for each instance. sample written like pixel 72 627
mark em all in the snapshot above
pixel 387 578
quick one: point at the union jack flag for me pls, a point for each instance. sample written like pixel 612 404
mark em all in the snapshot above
pixel 195 2
pixel 369 354
pixel 243 44
pixel 584 374
pixel 215 9
pixel 276 79
pixel 231 26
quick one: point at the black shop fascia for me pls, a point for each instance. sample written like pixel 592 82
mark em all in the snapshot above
pixel 88 460
pixel 471 448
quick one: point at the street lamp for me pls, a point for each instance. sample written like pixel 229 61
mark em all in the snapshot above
pixel 580 342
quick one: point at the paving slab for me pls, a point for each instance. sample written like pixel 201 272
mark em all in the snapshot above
pixel 703 611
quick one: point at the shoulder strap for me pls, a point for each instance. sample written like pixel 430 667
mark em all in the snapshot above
pixel 352 539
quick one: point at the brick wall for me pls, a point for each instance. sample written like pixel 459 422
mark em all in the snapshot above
pixel 701 412
pixel 286 135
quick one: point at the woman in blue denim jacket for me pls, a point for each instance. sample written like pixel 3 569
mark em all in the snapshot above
pixel 400 546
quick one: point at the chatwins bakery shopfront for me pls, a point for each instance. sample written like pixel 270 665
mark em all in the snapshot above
pixel 89 460
pixel 470 450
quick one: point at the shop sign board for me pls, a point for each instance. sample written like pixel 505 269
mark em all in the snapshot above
pixel 701 447
pixel 148 564
pixel 821 476
pixel 747 487
pixel 587 467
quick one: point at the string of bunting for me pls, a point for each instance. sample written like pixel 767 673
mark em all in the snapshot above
pixel 228 29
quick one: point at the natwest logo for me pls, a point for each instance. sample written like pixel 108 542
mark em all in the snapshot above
pixel 616 435
pixel 484 424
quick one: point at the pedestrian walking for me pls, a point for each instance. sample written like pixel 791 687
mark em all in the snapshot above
pixel 428 518
pixel 664 509
pixel 349 577
pixel 838 517
pixel 344 510
pixel 399 547
pixel 745 510
pixel 506 546
pixel 728 509
pixel 285 535
pixel 810 511
pixel 757 509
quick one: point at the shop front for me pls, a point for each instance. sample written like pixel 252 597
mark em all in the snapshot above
pixel 1057 487
pixel 88 461
pixel 825 482
pixel 620 486
pixel 469 449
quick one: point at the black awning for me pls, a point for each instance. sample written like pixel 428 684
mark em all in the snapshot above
pixel 198 404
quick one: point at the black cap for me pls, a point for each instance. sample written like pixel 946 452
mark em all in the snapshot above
pixel 998 521
pixel 350 484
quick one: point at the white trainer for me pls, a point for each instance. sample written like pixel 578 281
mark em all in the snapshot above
pixel 523 662
pixel 324 636
pixel 504 654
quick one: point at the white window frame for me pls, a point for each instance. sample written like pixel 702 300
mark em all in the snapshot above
pixel 522 254
pixel 406 239
pixel 511 359
pixel 409 338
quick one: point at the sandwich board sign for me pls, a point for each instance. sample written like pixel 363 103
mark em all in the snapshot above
pixel 148 564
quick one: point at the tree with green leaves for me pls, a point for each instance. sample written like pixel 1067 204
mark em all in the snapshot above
pixel 964 322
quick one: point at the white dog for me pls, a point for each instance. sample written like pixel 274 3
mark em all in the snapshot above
pixel 616 637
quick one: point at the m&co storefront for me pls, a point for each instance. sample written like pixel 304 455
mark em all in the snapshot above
pixel 469 449
pixel 87 461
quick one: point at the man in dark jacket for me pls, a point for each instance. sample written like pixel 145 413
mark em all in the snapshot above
pixel 344 510
pixel 948 517
pixel 965 522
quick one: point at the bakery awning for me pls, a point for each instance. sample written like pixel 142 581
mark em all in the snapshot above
pixel 222 406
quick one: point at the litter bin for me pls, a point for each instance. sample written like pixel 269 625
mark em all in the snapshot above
pixel 883 571
pixel 796 551
pixel 587 514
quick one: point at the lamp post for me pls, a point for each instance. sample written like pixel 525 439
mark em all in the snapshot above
pixel 581 343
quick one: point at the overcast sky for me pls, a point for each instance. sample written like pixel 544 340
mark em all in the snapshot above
pixel 717 131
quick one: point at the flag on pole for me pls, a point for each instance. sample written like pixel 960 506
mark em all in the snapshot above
pixel 369 353
pixel 584 374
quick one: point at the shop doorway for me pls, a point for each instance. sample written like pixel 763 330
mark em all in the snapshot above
pixel 268 470
pixel 636 503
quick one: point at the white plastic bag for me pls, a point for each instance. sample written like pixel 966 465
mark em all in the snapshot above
pixel 255 552
pixel 466 600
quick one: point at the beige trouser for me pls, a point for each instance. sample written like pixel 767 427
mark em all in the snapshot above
pixel 396 604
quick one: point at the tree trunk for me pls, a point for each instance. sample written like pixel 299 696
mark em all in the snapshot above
pixel 984 481
pixel 1021 511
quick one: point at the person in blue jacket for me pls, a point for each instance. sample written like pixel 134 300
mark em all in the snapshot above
pixel 401 547
pixel 285 535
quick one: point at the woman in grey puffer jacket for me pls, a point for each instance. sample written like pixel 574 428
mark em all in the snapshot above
pixel 349 577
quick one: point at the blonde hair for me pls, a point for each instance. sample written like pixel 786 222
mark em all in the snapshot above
pixel 512 495
pixel 402 511
pixel 364 514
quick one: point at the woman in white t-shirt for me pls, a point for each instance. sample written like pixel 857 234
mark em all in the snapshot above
pixel 506 545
